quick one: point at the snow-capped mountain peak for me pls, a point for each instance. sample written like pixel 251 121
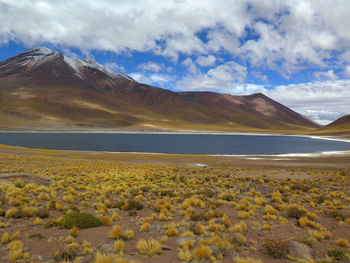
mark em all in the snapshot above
pixel 32 58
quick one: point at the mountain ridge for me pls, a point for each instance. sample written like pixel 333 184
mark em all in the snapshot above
pixel 43 88
pixel 340 126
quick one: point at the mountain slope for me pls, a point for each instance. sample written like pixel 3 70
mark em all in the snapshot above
pixel 41 88
pixel 339 126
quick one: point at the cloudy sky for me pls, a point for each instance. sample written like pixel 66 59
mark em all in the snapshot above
pixel 295 51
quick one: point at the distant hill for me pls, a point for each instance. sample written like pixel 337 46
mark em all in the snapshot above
pixel 42 89
pixel 339 126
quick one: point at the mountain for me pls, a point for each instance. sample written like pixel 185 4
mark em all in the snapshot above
pixel 339 126
pixel 41 88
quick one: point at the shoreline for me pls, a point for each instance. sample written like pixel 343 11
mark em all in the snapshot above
pixel 183 132
pixel 258 156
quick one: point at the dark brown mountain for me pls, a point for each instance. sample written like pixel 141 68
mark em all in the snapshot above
pixel 41 88
pixel 339 126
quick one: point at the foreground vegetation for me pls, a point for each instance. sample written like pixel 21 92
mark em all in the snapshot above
pixel 67 208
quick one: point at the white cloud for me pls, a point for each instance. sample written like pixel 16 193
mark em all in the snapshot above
pixel 206 61
pixel 151 79
pixel 347 71
pixel 259 75
pixel 152 66
pixel 191 66
pixel 114 66
pixel 289 33
pixel 322 101
pixel 227 77
pixel 325 75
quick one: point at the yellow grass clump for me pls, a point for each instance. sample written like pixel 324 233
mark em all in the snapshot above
pixel 145 227
pixel 119 246
pixel 149 247
pixel 116 232
pixel 74 232
pixel 87 250
pixel 105 220
pixel 239 227
pixel 247 260
pixel 342 242
pixel 38 221
pixel 102 258
pixel 115 216
pixel 184 255
pixel 201 253
pixel 5 238
pixel 14 235
pixel 270 210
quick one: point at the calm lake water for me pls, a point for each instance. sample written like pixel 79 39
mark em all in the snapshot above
pixel 174 143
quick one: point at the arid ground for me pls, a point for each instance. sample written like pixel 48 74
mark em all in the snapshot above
pixel 77 206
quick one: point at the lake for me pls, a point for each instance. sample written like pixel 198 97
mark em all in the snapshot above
pixel 174 143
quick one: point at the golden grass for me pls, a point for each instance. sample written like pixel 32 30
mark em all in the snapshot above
pixel 203 206
pixel 149 247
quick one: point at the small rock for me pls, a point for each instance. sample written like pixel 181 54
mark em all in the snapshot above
pixel 299 250
pixel 166 247
pixel 37 257
pixel 107 248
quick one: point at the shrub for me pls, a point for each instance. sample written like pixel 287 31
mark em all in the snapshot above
pixel 149 247
pixel 80 220
pixel 38 221
pixel 196 228
pixel 295 212
pixel 116 232
pixel 196 215
pixel 102 258
pixel 247 260
pixel 105 220
pixel 184 255
pixel 27 211
pixel 342 242
pixel 64 254
pixel 74 231
pixel 239 239
pixel 13 213
pixel 270 210
pixel 337 254
pixel 42 213
pixel 275 247
pixel 19 183
pixel 202 252
pixel 14 235
pixel 5 238
pixel 129 205
pixel 145 227
pixel 239 227
pixel 128 234
pixel 115 216
pixel 119 246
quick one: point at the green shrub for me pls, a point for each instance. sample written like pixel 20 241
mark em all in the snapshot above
pixel 64 254
pixel 80 220
pixel 52 223
pixel 337 254
pixel 129 205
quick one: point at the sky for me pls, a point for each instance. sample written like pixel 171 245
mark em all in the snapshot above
pixel 294 51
